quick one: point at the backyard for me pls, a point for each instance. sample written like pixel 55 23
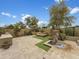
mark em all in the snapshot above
pixel 37 30
pixel 25 48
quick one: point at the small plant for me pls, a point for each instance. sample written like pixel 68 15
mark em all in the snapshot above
pixel 2 31
pixel 41 44
pixel 27 32
pixel 69 31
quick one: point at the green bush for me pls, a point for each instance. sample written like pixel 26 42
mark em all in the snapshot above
pixel 27 32
pixel 17 33
pixel 2 31
pixel 69 31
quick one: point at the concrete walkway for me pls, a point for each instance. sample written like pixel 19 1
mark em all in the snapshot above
pixel 23 48
pixel 69 53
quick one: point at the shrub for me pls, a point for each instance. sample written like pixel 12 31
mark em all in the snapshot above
pixel 2 31
pixel 50 37
pixel 47 31
pixel 34 33
pixel 11 31
pixel 27 32
pixel 69 31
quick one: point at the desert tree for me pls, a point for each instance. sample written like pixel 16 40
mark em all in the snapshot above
pixel 32 22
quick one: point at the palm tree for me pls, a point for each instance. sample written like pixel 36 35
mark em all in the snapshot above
pixel 59 16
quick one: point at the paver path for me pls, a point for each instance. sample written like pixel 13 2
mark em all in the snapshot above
pixel 72 53
pixel 23 48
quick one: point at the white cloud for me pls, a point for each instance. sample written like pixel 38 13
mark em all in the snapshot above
pixel 74 10
pixel 58 0
pixel 42 23
pixel 2 25
pixel 14 16
pixel 8 14
pixel 25 16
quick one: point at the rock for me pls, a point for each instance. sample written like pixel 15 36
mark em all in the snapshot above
pixel 77 41
pixel 60 46
pixel 41 34
pixel 5 41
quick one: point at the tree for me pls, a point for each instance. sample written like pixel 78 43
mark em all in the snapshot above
pixel 31 22
pixel 59 15
pixel 22 26
pixel 2 30
pixel 17 29
pixel 10 27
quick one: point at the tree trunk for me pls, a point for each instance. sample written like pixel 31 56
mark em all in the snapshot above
pixel 55 36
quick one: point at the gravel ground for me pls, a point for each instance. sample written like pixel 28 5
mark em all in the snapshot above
pixel 24 48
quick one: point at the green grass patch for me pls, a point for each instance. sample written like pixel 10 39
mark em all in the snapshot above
pixel 41 44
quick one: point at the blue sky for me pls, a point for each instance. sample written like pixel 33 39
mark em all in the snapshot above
pixel 12 11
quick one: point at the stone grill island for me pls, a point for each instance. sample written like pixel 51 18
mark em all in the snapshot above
pixel 5 41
